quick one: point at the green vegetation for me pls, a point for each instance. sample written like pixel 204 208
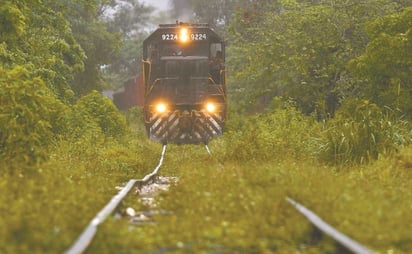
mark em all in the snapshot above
pixel 320 110
pixel 235 200
pixel 47 208
pixel 322 55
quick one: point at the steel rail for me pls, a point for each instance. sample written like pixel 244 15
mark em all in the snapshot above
pixel 208 150
pixel 86 237
pixel 344 240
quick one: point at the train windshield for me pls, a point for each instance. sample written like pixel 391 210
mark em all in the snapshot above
pixel 194 49
pixel 154 51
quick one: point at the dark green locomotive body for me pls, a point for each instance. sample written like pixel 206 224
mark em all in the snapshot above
pixel 184 80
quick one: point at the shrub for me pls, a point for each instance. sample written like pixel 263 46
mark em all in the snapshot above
pixel 135 118
pixel 283 131
pixel 95 113
pixel 29 117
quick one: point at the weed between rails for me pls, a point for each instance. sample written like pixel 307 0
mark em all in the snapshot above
pixel 241 207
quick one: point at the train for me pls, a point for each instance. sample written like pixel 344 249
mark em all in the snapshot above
pixel 184 80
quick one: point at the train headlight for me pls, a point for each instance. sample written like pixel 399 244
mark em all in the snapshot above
pixel 210 107
pixel 161 108
pixel 184 35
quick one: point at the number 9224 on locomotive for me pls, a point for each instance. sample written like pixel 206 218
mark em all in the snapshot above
pixel 185 84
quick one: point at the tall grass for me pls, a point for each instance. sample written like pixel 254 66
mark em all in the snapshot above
pixel 361 132
pixel 48 206
pixel 238 206
pixel 280 132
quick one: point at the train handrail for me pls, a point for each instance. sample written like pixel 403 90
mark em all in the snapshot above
pixel 152 85
pixel 144 72
pixel 220 87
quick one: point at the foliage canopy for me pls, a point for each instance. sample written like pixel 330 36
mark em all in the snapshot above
pixel 320 53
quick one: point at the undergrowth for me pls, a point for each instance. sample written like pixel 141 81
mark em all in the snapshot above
pixel 360 132
pixel 354 170
pixel 51 205
pixel 60 163
pixel 239 207
pixel 234 201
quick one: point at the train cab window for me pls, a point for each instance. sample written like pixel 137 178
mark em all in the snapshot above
pixel 215 47
pixel 198 49
pixel 170 50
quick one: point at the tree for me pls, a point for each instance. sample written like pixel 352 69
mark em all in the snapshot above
pixel 385 67
pixel 91 32
pixel 130 20
pixel 40 39
pixel 300 49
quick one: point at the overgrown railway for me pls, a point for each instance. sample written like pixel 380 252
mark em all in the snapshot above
pixel 83 241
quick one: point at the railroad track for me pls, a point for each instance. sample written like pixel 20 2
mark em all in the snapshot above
pixel 344 240
pixel 84 240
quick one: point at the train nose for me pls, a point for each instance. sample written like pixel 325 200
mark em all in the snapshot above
pixel 185 124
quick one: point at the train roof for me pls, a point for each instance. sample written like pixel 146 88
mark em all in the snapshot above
pixel 178 24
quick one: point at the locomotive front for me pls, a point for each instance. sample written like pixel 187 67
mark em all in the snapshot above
pixel 184 79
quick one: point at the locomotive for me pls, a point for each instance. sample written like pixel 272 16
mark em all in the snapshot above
pixel 184 83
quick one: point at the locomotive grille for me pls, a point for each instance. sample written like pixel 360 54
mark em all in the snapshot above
pixel 186 127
